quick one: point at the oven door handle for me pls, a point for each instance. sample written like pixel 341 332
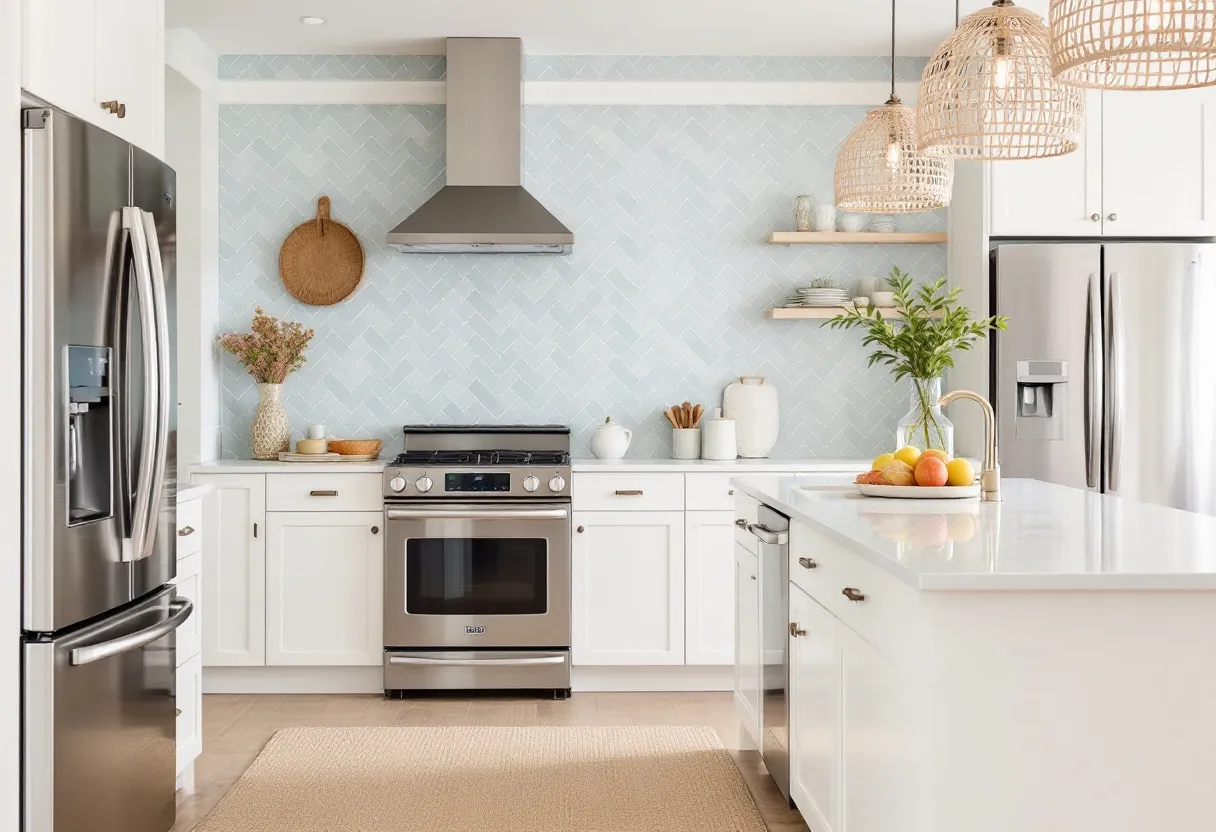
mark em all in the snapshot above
pixel 533 660
pixel 476 514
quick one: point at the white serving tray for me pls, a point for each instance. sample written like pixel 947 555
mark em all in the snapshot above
pixel 918 492
pixel 287 456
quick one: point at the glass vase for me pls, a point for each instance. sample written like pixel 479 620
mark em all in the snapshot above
pixel 271 431
pixel 925 426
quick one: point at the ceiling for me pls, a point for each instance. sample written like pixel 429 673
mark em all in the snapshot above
pixel 574 27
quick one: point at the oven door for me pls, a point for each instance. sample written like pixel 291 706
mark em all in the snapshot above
pixel 470 575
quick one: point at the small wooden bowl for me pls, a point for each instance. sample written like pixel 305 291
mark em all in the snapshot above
pixel 351 447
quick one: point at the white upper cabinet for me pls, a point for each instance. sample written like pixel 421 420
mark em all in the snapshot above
pixel 81 54
pixel 1144 169
pixel 628 588
pixel 324 588
pixel 1159 150
pixel 709 566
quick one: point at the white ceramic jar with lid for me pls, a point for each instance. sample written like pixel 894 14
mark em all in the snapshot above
pixel 718 437
pixel 610 440
pixel 752 403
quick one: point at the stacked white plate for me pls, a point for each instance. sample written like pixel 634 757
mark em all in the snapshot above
pixel 818 297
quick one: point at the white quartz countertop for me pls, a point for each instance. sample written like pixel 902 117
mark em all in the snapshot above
pixel 1041 537
pixel 258 466
pixel 739 466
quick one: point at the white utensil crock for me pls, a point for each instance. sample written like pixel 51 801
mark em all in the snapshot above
pixel 752 403
pixel 686 443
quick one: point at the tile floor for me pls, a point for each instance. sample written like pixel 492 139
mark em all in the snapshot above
pixel 236 727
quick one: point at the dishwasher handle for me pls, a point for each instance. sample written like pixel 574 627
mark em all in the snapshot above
pixel 766 535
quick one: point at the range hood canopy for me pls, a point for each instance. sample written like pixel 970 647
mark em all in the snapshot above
pixel 484 207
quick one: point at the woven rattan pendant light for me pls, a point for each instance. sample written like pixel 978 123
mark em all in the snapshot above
pixel 1134 44
pixel 881 171
pixel 989 92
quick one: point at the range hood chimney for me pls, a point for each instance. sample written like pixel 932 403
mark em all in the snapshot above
pixel 483 208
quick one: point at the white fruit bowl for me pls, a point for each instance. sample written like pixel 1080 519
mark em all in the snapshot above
pixel 920 492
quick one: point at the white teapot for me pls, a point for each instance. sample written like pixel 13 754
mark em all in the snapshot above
pixel 611 440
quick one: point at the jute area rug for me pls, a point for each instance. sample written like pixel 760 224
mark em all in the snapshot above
pixel 461 779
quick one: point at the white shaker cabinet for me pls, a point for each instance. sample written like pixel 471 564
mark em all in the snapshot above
pixel 234 570
pixel 748 668
pixel 814 693
pixel 324 588
pixel 628 588
pixel 58 58
pixel 709 547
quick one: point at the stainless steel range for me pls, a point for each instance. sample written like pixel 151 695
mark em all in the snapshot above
pixel 477 560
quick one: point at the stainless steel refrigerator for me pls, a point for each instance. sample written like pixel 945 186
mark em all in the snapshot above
pixel 1106 377
pixel 98 513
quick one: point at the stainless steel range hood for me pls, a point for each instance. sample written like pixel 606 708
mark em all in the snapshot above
pixel 483 208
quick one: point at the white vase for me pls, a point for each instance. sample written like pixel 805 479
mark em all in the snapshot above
pixel 752 403
pixel 824 218
pixel 271 431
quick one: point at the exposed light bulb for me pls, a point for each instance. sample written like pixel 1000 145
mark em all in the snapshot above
pixel 1000 76
pixel 893 155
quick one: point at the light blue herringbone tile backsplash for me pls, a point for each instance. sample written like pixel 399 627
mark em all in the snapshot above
pixel 662 300
pixel 574 68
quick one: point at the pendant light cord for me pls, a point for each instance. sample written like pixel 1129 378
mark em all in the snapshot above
pixel 893 48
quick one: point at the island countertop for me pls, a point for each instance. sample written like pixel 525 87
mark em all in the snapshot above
pixel 1041 537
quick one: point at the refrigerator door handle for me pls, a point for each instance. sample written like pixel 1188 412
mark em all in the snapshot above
pixel 133 548
pixel 161 323
pixel 1093 406
pixel 1114 392
pixel 133 641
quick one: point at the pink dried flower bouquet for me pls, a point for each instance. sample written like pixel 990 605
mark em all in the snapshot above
pixel 273 351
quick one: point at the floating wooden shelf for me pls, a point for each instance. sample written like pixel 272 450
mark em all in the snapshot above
pixel 784 238
pixel 825 312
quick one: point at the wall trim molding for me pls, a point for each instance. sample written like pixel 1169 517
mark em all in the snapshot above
pixel 627 93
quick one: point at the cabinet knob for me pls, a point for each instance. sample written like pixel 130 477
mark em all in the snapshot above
pixel 853 594
pixel 179 711
pixel 741 523
pixel 753 577
pixel 807 563
pixel 795 630
pixel 1112 217
pixel 580 529
pixel 185 531
pixel 115 108
pixel 375 530
pixel 1096 217
pixel 730 493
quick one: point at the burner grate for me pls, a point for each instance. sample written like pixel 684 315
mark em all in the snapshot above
pixel 483 458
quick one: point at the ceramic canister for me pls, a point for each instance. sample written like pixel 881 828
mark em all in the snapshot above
pixel 752 403
pixel 718 437
pixel 686 443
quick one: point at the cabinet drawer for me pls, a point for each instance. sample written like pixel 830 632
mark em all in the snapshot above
pixel 189 528
pixel 747 510
pixel 710 492
pixel 189 696
pixel 888 609
pixel 189 635
pixel 627 492
pixel 323 492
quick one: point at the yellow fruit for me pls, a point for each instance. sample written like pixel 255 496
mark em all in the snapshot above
pixel 937 452
pixel 882 462
pixel 959 472
pixel 899 473
pixel 908 455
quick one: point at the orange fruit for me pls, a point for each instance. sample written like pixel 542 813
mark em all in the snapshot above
pixel 930 471
pixel 937 452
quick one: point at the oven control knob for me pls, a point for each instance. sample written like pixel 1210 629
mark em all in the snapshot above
pixel 397 483
pixel 557 483
pixel 424 483
pixel 531 483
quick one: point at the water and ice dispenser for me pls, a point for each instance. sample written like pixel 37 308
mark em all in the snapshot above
pixel 1042 400
pixel 90 442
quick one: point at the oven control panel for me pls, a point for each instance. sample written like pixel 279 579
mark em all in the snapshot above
pixel 402 482
pixel 475 483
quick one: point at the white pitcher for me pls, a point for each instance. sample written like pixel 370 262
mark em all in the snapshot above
pixel 610 440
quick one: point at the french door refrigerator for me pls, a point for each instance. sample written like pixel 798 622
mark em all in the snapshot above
pixel 98 513
pixel 1106 377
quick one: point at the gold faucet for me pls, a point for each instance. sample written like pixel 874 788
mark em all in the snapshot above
pixel 990 475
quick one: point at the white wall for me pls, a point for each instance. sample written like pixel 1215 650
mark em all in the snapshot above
pixel 10 414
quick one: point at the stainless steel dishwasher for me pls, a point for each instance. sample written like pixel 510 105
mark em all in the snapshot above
pixel 772 529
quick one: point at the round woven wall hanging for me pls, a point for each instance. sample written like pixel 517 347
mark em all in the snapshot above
pixel 321 261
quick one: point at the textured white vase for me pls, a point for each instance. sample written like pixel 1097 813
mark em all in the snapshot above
pixel 752 403
pixel 271 431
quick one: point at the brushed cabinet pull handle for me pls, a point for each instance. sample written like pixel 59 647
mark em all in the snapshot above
pixel 795 630
pixel 324 492
pixel 629 492
pixel 807 563
pixel 179 711
pixel 853 594
pixel 255 529
pixel 741 523
pixel 730 493
pixel 580 529
pixel 753 577
pixel 122 110
pixel 185 531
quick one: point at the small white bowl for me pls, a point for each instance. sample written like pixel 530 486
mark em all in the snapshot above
pixel 861 303
pixel 883 300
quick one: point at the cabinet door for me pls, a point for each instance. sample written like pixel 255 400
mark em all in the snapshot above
pixel 709 558
pixel 130 59
pixel 875 777
pixel 1159 150
pixel 747 640
pixel 815 671
pixel 189 695
pixel 58 54
pixel 234 570
pixel 1056 197
pixel 324 588
pixel 628 587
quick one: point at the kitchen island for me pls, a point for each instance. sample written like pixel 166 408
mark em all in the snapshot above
pixel 1043 663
